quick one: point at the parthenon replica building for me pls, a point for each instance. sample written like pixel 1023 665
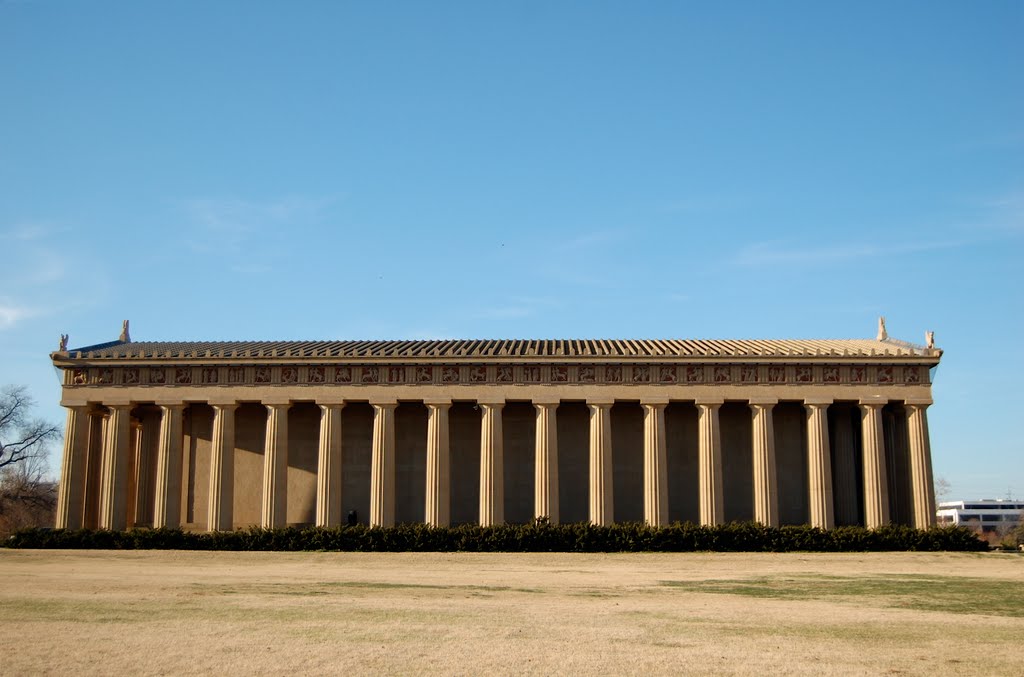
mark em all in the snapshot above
pixel 227 434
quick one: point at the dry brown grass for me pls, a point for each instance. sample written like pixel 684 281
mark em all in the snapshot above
pixel 171 613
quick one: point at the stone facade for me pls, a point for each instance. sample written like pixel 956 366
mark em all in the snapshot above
pixel 219 435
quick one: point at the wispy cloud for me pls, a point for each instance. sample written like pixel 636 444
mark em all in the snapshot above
pixel 11 314
pixel 772 253
pixel 227 223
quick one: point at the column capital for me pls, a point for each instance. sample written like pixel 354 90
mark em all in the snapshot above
pixel 921 403
pixel 437 401
pixel 494 402
pixel 119 404
pixel 709 401
pixel 223 404
pixel 763 401
pixel 545 402
pixel 654 402
pixel 817 401
pixel 171 406
pixel 384 404
pixel 276 404
pixel 600 403
pixel 330 402
pixel 873 402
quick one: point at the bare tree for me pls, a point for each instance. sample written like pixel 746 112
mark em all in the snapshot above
pixel 22 437
pixel 942 489
pixel 27 498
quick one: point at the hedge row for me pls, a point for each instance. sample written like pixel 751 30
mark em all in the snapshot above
pixel 535 537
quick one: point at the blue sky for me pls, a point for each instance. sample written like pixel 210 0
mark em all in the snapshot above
pixel 255 170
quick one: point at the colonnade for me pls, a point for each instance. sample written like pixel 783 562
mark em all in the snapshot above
pixel 119 456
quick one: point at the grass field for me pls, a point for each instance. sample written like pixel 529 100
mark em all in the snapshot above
pixel 161 612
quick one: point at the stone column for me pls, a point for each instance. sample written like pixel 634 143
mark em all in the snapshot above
pixel 766 491
pixel 328 473
pixel 492 466
pixel 438 494
pixel 219 516
pixel 602 504
pixel 275 467
pixel 71 491
pixel 876 484
pixel 382 470
pixel 655 464
pixel 920 464
pixel 135 496
pixel 712 501
pixel 167 503
pixel 114 480
pixel 819 465
pixel 545 463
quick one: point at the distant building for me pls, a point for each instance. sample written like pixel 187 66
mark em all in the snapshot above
pixel 989 515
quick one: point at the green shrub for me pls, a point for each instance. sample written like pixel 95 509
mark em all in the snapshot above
pixel 537 536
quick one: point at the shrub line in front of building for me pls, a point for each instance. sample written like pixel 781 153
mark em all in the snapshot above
pixel 535 537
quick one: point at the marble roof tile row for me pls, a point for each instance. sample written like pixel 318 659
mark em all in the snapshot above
pixel 574 348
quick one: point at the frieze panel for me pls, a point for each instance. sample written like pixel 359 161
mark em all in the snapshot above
pixel 106 376
pixel 641 373
pixel 667 374
pixel 264 375
pixel 370 374
pixel 560 374
pixel 396 374
pixel 478 374
pixel 722 374
pixel 131 376
pixel 694 374
pixel 804 374
pixel 531 374
pixel 183 376
pixel 830 374
pixel 748 373
pixel 505 374
pixel 911 374
pixel 885 374
pixel 449 374
pixel 424 374
pixel 586 374
pixel 209 375
pixel 776 374
pixel 158 376
pixel 858 374
pixel 343 374
pixel 236 375
pixel 80 377
pixel 613 374
pixel 315 375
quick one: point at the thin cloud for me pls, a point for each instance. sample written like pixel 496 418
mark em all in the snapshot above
pixel 230 222
pixel 769 253
pixel 11 314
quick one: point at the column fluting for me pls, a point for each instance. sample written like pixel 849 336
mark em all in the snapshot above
pixel 819 466
pixel 492 468
pixel 71 491
pixel 545 481
pixel 655 465
pixel 437 511
pixel 275 467
pixel 766 493
pixel 328 472
pixel 382 469
pixel 921 465
pixel 114 489
pixel 712 501
pixel 602 503
pixel 167 502
pixel 220 514
pixel 876 486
